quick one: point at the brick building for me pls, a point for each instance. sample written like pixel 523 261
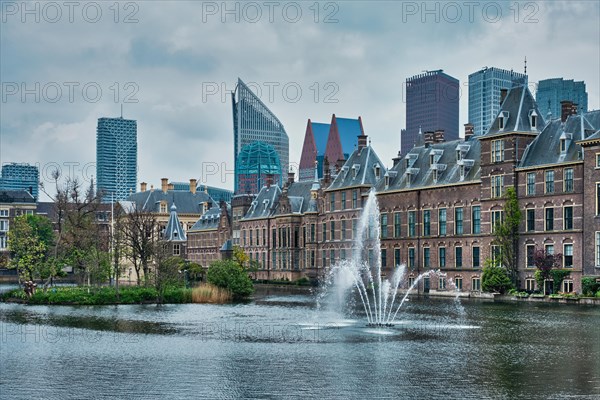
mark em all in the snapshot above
pixel 440 201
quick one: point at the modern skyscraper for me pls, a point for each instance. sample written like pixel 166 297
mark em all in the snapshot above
pixel 16 176
pixel 253 121
pixel 431 104
pixel 116 158
pixel 336 141
pixel 484 95
pixel 550 92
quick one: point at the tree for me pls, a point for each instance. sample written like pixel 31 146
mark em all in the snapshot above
pixel 138 231
pixel 506 235
pixel 168 271
pixel 30 242
pixel 228 274
pixel 80 240
pixel 495 278
pixel 545 262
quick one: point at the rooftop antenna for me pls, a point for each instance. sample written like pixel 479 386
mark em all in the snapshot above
pixel 525 65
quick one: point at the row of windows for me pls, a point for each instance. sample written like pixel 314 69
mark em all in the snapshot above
pixel 549 187
pixel 549 219
pixel 343 202
pixel 549 249
pixel 426 224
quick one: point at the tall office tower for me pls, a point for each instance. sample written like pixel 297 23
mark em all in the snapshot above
pixel 116 158
pixel 253 121
pixel 257 165
pixel 484 95
pixel 431 104
pixel 336 141
pixel 550 92
pixel 20 176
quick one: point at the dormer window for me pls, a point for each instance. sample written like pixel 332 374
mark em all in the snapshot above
pixel 163 207
pixel 387 181
pixel 431 159
pixel 458 155
pixel 502 119
pixel 563 145
pixel 435 175
pixel 377 171
pixel 533 117
pixel 462 172
pixel 408 163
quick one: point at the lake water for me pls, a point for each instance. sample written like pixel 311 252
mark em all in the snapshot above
pixel 281 346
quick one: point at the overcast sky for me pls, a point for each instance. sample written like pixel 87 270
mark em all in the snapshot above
pixel 173 63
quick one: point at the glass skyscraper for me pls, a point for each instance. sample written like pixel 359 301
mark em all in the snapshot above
pixel 431 103
pixel 484 95
pixel 116 158
pixel 550 92
pixel 17 176
pixel 253 121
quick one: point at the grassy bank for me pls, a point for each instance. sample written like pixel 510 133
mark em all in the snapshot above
pixel 80 295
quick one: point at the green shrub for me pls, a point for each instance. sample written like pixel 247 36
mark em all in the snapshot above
pixel 589 286
pixel 495 279
pixel 304 281
pixel 598 293
pixel 228 274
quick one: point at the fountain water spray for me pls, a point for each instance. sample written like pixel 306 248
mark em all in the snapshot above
pixel 363 272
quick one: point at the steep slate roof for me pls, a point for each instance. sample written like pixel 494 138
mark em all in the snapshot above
pixel 519 103
pixel 265 203
pixel 420 172
pixel 187 202
pixel 363 162
pixel 210 219
pixel 174 232
pixel 299 195
pixel 545 149
pixel 16 196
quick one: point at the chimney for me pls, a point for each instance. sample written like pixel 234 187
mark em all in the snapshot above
pixel 503 93
pixel 397 160
pixel 193 186
pixel 428 138
pixel 171 186
pixel 469 131
pixel 269 180
pixel 326 170
pixel 362 142
pixel 143 186
pixel 152 188
pixel 438 136
pixel 567 108
pixel 164 183
pixel 290 177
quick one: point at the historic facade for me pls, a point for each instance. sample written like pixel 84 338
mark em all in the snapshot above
pixel 440 202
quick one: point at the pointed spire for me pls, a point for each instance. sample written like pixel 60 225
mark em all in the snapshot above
pixel 174 231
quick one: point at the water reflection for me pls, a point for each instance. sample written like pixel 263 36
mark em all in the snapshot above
pixel 280 345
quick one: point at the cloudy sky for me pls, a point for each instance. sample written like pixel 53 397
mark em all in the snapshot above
pixel 172 64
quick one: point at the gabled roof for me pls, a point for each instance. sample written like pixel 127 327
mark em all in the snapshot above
pixel 518 105
pixel 210 219
pixel 299 196
pixel 264 204
pixel 187 202
pixel 174 232
pixel 546 148
pixel 359 170
pixel 16 196
pixel 349 129
pixel 416 171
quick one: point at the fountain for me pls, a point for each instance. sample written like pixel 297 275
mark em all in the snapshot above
pixel 363 273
